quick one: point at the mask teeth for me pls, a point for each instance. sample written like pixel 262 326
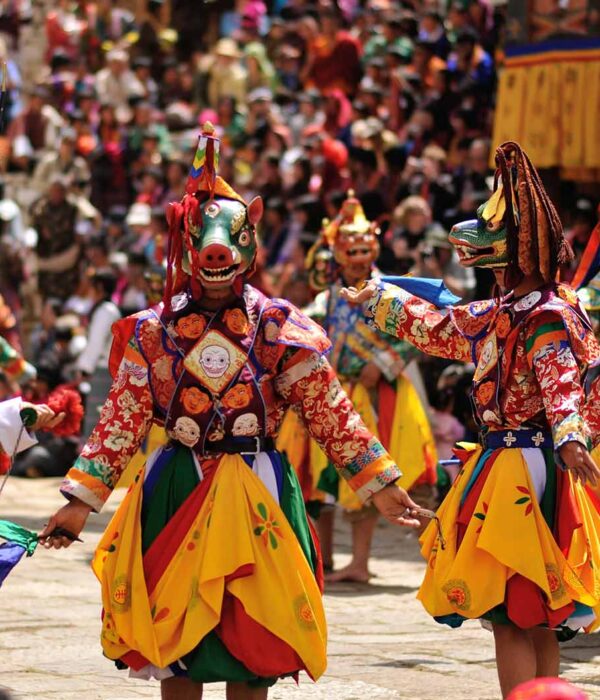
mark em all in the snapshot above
pixel 221 274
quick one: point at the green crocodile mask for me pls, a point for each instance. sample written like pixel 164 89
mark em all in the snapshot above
pixel 221 247
pixel 482 242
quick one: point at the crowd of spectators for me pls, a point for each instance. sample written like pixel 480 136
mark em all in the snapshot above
pixel 392 98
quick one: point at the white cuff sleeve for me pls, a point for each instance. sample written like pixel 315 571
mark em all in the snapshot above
pixel 10 427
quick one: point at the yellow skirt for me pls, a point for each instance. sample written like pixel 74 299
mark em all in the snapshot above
pixel 500 552
pixel 237 542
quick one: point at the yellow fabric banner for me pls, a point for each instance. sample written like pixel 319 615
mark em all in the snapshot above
pixel 412 445
pixel 549 104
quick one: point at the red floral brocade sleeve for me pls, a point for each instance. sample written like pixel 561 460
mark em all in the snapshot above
pixel 558 374
pixel 124 423
pixel 308 383
pixel 445 333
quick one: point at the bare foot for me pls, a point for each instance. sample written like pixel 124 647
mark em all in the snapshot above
pixel 351 573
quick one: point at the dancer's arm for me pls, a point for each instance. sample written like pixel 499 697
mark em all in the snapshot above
pixel 308 382
pixel 558 375
pixel 445 333
pixel 124 422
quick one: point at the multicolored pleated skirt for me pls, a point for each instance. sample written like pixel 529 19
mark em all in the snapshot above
pixel 212 572
pixel 521 542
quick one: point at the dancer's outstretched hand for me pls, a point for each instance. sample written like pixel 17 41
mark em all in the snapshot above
pixel 578 460
pixel 72 518
pixel 396 506
pixel 355 296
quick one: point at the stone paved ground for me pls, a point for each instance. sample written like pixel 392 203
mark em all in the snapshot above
pixel 382 645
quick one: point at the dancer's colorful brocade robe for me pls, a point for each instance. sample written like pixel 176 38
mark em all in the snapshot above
pixel 522 539
pixel 209 568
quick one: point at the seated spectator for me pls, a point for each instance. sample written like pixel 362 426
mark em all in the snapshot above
pixel 583 219
pixel 274 230
pixel 130 287
pixel 224 74
pixel 52 456
pixel 117 83
pixel 230 121
pixel 470 62
pixel 64 162
pixel 425 62
pixel 425 176
pixel 43 334
pixel 431 29
pixel 33 129
pixel 92 364
pixel 142 69
pixel 259 69
pixel 410 221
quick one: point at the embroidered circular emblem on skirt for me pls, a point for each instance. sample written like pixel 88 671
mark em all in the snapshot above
pixel 458 593
pixel 304 613
pixel 555 582
pixel 121 594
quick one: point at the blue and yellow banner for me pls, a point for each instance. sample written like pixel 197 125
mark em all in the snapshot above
pixel 549 101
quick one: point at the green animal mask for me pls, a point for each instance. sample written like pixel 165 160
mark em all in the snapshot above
pixel 482 242
pixel 222 245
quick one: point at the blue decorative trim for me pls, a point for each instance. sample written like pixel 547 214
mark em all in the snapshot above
pixel 579 43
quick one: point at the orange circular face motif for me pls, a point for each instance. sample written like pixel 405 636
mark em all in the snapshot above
pixel 236 321
pixel 191 326
pixel 195 401
pixel 485 393
pixel 239 396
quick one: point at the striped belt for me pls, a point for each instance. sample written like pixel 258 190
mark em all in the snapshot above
pixel 496 439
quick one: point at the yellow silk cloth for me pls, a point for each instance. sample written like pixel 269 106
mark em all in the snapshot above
pixel 412 446
pixel 507 535
pixel 294 440
pixel 548 103
pixel 595 454
pixel 157 437
pixel 239 525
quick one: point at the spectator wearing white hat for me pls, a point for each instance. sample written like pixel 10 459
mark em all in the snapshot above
pixel 139 237
pixel 116 83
